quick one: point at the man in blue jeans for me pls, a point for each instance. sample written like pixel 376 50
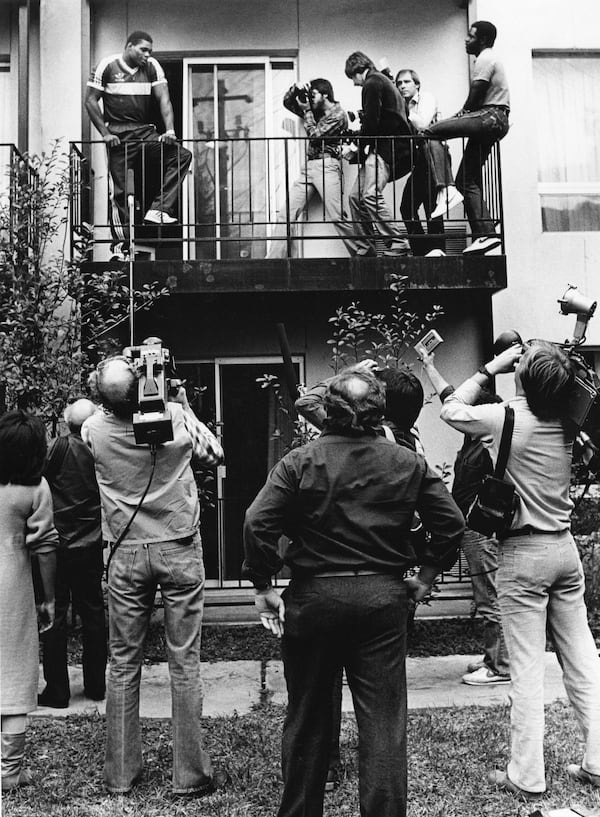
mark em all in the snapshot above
pixel 484 120
pixel 347 501
pixel 381 158
pixel 152 499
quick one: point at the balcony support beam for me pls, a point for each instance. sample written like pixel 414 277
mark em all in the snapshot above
pixel 321 274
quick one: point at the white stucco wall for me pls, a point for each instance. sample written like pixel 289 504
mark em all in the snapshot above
pixel 539 264
pixel 60 70
pixel 409 33
pixel 8 48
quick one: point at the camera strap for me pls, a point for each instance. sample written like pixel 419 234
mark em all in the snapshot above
pixel 123 534
pixel 505 441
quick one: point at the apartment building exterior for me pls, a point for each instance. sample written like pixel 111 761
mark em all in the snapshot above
pixel 228 64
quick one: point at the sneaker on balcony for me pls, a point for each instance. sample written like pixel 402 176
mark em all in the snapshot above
pixel 483 244
pixel 159 217
pixel 484 677
pixel 120 254
pixel 447 198
pixel 398 249
pixel 434 254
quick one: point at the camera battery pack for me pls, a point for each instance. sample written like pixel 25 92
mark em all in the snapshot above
pixel 152 427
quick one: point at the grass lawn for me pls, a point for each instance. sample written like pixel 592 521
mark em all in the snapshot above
pixel 450 751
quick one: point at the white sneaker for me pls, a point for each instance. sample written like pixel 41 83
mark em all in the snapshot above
pixel 159 217
pixel 434 254
pixel 120 253
pixel 482 244
pixel 484 676
pixel 447 198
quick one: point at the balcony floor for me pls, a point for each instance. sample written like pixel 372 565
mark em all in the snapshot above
pixel 320 274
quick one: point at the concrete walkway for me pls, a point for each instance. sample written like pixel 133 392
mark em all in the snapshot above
pixel 235 686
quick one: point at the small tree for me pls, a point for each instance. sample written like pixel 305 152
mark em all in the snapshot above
pixel 386 337
pixel 55 318
pixel 359 334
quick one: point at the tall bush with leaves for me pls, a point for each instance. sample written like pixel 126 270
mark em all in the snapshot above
pixel 359 334
pixel 55 318
pixel 386 337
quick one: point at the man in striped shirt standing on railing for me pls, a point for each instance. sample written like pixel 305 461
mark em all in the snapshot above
pixel 125 83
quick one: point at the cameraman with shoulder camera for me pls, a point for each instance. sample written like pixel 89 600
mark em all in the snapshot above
pixel 150 509
pixel 540 580
pixel 323 118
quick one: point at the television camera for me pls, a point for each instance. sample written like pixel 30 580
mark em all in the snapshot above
pixel 152 422
pixel 583 410
pixel 583 405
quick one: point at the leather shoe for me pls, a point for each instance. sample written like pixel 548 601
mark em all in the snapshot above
pixel 94 695
pixel 47 700
pixel 578 773
pixel 502 781
pixel 220 779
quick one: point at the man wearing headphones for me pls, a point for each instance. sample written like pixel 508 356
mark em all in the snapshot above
pixel 155 501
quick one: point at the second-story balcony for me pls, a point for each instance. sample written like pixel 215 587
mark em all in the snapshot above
pixel 248 218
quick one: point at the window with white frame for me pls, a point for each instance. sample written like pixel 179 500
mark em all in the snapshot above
pixel 7 110
pixel 233 106
pixel 567 108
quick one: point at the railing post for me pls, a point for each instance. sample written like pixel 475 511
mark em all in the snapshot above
pixel 287 196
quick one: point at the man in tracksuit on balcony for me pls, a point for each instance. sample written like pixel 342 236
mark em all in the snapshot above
pixel 323 118
pixel 126 83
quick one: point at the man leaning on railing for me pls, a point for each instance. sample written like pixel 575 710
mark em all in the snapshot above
pixel 125 83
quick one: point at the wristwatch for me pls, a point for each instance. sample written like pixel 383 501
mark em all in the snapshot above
pixel 485 371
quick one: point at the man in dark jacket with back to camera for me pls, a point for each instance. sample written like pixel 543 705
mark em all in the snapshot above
pixel 347 501
pixel 72 478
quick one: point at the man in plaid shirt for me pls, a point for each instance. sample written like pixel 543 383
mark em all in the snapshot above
pixel 154 500
pixel 325 123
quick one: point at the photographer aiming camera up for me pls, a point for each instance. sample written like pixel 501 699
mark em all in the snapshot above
pixel 321 174
pixel 540 580
pixel 151 519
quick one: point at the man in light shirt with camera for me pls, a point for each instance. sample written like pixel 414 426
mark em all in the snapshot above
pixel 540 579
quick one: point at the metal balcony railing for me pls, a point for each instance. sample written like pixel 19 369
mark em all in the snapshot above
pixel 246 198
pixel 20 212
